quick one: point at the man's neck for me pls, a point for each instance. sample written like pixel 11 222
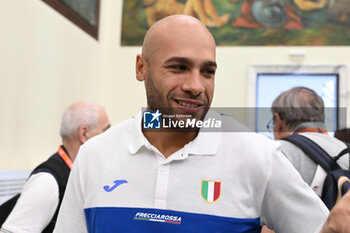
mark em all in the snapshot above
pixel 72 148
pixel 169 142
pixel 316 127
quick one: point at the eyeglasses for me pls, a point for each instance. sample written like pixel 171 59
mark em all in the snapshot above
pixel 269 125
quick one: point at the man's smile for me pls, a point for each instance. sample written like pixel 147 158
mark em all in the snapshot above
pixel 189 104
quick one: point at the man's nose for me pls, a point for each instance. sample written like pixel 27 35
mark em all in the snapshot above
pixel 193 83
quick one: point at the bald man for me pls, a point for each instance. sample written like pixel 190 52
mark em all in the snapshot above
pixel 37 208
pixel 144 176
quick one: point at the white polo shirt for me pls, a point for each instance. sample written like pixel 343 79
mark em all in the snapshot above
pixel 219 182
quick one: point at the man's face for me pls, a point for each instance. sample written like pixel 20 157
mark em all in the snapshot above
pixel 180 75
pixel 102 125
pixel 280 129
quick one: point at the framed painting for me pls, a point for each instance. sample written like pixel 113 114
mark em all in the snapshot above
pixel 83 13
pixel 248 22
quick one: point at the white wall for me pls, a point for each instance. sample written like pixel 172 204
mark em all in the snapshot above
pixel 47 63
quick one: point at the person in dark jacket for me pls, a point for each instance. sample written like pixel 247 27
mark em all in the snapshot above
pixel 38 204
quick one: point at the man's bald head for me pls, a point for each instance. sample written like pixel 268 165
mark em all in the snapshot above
pixel 178 65
pixel 175 27
pixel 81 113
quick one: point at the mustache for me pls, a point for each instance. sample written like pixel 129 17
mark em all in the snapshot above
pixel 190 97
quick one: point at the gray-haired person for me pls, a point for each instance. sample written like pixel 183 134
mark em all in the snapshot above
pixel 301 111
pixel 37 207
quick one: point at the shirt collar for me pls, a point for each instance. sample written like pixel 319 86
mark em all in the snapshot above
pixel 206 143
pixel 136 137
pixel 310 125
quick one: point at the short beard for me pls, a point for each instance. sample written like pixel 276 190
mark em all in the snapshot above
pixel 156 101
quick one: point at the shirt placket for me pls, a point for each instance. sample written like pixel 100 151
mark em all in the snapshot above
pixel 161 184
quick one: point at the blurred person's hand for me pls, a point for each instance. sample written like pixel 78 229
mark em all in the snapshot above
pixel 339 218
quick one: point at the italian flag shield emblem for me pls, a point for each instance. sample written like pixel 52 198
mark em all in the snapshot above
pixel 211 190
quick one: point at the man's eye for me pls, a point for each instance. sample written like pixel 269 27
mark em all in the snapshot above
pixel 208 71
pixel 178 67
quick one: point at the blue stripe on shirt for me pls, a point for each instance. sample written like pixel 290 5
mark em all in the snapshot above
pixel 142 220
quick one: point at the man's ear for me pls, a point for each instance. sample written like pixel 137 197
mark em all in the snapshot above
pixel 278 124
pixel 280 129
pixel 141 67
pixel 82 134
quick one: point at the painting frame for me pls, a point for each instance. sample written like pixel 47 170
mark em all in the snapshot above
pixel 76 18
pixel 250 22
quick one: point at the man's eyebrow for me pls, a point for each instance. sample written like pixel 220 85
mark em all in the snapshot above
pixel 182 60
pixel 185 60
pixel 210 63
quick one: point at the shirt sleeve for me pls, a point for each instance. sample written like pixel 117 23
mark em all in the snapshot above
pixel 289 204
pixel 36 206
pixel 71 216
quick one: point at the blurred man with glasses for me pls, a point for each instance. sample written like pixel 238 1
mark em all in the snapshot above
pixel 301 111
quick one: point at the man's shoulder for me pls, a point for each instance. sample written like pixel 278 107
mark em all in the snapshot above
pixel 235 136
pixel 330 144
pixel 323 138
pixel 54 159
pixel 235 130
pixel 229 124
